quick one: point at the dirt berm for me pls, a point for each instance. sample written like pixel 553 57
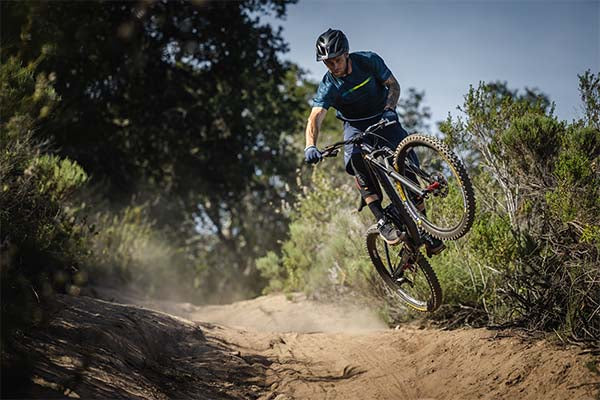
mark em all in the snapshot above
pixel 278 348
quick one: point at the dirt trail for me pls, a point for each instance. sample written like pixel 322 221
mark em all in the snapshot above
pixel 278 348
pixel 278 313
pixel 342 352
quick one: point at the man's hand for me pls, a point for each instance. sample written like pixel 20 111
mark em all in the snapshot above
pixel 312 155
pixel 390 115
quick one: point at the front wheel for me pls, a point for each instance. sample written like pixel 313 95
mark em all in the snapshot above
pixel 447 208
pixel 408 274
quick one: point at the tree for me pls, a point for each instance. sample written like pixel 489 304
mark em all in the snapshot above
pixel 414 116
pixel 187 102
pixel 589 87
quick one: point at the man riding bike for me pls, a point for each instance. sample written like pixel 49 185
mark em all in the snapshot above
pixel 363 91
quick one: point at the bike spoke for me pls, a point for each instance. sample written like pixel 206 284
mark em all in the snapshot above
pixel 389 261
pixel 415 169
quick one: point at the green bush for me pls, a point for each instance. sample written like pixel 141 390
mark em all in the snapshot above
pixel 51 239
pixel 325 246
pixel 542 195
pixel 43 243
pixel 531 143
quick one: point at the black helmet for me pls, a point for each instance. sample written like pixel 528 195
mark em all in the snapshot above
pixel 331 44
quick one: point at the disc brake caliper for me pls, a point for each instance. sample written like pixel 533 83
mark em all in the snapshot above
pixel 439 186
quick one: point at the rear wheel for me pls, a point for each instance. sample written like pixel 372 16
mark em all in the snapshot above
pixel 447 210
pixel 408 274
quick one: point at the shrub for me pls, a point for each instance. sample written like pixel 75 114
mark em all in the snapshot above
pixel 51 239
pixel 42 241
pixel 544 238
pixel 325 246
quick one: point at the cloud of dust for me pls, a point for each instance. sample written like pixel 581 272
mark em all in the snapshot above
pixel 145 262
pixel 295 313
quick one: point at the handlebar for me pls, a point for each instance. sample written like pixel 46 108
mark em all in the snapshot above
pixel 333 149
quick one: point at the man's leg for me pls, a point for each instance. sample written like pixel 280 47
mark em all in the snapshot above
pixel 370 193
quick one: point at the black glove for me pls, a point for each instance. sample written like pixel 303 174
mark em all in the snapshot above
pixel 390 115
pixel 312 155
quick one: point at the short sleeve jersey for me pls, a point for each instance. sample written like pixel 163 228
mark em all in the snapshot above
pixel 360 95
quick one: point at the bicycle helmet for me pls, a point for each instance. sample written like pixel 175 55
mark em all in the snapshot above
pixel 331 44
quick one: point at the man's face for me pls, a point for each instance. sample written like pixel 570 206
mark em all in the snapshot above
pixel 337 65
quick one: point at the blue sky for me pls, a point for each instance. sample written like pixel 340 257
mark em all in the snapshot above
pixel 442 47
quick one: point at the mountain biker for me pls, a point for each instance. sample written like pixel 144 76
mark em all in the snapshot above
pixel 363 91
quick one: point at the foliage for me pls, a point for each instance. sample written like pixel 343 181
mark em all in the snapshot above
pixel 491 108
pixel 41 241
pixel 412 113
pixel 548 174
pixel 589 87
pixel 185 103
pixel 129 250
pixel 325 246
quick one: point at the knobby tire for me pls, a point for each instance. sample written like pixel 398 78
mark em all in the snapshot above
pixel 459 174
pixel 434 297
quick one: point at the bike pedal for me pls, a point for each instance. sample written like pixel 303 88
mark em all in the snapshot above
pixel 434 252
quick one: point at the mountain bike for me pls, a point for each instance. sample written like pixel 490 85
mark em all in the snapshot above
pixel 429 191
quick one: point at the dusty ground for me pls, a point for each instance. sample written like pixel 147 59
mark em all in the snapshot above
pixel 278 348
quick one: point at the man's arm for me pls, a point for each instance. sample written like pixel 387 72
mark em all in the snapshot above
pixel 393 92
pixel 313 127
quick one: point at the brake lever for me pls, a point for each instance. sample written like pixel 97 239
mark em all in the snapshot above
pixel 330 152
pixel 381 124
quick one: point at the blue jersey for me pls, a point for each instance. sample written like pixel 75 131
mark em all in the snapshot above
pixel 360 95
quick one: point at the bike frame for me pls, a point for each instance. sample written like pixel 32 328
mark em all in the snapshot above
pixel 377 159
pixel 384 171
